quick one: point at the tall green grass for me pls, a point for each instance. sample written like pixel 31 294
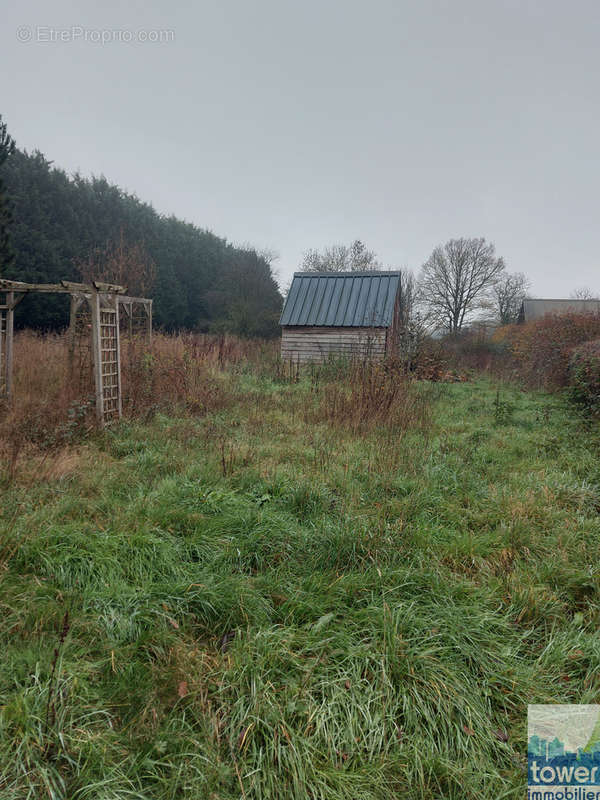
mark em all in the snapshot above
pixel 256 603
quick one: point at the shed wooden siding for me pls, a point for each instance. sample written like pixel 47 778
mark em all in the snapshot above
pixel 312 343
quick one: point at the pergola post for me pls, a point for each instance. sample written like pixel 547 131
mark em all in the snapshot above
pixel 97 356
pixel 7 335
pixel 76 301
pixel 3 310
pixel 117 364
pixel 149 315
pixel 10 333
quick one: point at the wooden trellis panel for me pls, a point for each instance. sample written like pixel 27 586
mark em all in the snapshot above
pixel 111 378
pixel 136 323
pixel 107 357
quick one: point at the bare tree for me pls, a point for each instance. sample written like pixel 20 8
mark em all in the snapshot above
pixel 408 298
pixel 122 263
pixel 268 254
pixel 412 328
pixel 507 296
pixel 341 258
pixel 584 293
pixel 456 278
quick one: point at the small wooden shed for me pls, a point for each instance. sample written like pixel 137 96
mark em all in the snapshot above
pixel 336 314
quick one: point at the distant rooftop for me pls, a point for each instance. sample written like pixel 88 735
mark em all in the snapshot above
pixel 536 308
pixel 342 299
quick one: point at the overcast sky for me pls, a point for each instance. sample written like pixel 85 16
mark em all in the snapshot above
pixel 293 125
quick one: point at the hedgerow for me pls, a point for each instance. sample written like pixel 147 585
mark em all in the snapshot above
pixel 542 348
pixel 584 375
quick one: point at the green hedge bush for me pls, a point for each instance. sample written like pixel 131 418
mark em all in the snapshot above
pixel 584 375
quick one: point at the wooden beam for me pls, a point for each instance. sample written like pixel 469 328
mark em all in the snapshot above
pixel 19 286
pixel 109 288
pixel 95 286
pixel 17 297
pixel 62 287
pixel 125 299
pixel 72 286
pixel 69 286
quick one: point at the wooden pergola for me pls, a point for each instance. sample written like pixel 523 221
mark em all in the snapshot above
pixel 104 301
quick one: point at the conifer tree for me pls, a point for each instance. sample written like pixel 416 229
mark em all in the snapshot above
pixel 7 148
pixel 69 227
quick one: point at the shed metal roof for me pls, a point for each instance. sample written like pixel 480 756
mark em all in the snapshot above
pixel 341 299
pixel 536 308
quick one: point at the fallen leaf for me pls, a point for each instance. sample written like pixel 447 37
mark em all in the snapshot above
pixel 468 731
pixel 182 689
pixel 173 622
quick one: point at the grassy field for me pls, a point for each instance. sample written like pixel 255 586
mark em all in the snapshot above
pixel 271 599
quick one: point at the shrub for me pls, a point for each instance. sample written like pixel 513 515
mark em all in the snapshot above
pixel 473 350
pixel 584 375
pixel 542 348
pixel 431 361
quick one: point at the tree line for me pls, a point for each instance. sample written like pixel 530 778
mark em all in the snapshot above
pixel 54 226
pixel 461 280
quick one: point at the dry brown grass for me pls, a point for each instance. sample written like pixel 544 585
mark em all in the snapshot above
pixel 374 394
pixel 38 417
pixel 52 406
pixel 188 376
pixel 188 372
